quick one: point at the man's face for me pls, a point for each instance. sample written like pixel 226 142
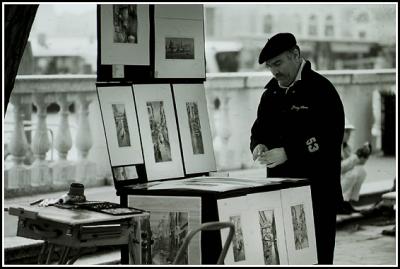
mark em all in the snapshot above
pixel 284 67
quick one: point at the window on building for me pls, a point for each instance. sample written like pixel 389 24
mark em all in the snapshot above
pixel 268 24
pixel 362 34
pixel 329 26
pixel 228 61
pixel 298 24
pixel 362 18
pixel 313 26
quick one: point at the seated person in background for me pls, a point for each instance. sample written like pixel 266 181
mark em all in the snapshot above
pixel 353 173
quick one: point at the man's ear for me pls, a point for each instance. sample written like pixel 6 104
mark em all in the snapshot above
pixel 296 52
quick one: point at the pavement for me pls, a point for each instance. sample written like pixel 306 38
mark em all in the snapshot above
pixel 361 242
pixel 359 239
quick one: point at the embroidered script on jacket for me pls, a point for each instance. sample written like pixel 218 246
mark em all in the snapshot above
pixel 298 108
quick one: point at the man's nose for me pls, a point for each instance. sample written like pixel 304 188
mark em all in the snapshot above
pixel 275 72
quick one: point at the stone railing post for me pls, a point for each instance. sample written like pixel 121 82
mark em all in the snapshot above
pixel 85 170
pixel 222 130
pixel 63 170
pixel 18 175
pixel 41 175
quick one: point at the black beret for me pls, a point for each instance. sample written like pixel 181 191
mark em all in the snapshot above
pixel 276 45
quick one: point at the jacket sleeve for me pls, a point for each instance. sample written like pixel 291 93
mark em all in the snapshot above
pixel 266 128
pixel 257 129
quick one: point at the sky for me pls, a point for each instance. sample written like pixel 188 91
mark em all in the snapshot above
pixel 75 7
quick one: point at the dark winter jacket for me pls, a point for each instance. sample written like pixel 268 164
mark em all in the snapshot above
pixel 308 122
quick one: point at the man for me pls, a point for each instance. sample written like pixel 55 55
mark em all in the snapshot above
pixel 353 173
pixel 298 133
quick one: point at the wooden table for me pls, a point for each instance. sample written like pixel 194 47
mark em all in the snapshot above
pixel 77 228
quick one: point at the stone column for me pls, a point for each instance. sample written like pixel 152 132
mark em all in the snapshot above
pixel 222 131
pixel 41 175
pixel 17 177
pixel 63 170
pixel 99 152
pixel 85 170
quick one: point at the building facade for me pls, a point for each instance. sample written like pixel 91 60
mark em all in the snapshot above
pixel 332 36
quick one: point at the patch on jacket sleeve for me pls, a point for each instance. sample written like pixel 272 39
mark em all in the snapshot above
pixel 312 145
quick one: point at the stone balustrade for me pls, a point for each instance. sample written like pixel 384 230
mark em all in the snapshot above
pixel 45 175
pixel 232 104
pixel 233 100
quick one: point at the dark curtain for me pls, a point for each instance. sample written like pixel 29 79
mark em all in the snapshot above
pixel 18 23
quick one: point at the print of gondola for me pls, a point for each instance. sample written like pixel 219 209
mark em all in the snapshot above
pixel 179 48
pixel 121 124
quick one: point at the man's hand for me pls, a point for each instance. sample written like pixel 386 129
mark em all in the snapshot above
pixel 275 157
pixel 258 151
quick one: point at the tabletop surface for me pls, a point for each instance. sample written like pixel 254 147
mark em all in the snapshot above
pixel 66 216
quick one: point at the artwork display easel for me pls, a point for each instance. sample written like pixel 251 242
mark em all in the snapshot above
pixel 150 86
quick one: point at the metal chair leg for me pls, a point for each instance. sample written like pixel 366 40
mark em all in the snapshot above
pixel 76 257
pixel 42 252
pixel 64 256
pixel 208 226
pixel 50 254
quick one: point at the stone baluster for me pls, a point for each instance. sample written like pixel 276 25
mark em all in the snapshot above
pixel 41 175
pixel 222 130
pixel 226 132
pixel 17 177
pixel 63 170
pixel 85 170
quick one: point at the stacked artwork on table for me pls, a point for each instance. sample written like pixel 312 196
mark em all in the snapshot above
pixel 299 225
pixel 273 228
pixel 240 250
pixel 171 219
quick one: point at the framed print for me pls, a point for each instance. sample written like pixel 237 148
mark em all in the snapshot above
pixel 299 225
pixel 235 210
pixel 141 248
pixel 188 11
pixel 120 125
pixel 121 173
pixel 269 243
pixel 171 219
pixel 179 48
pixel 158 129
pixel 124 34
pixel 194 128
